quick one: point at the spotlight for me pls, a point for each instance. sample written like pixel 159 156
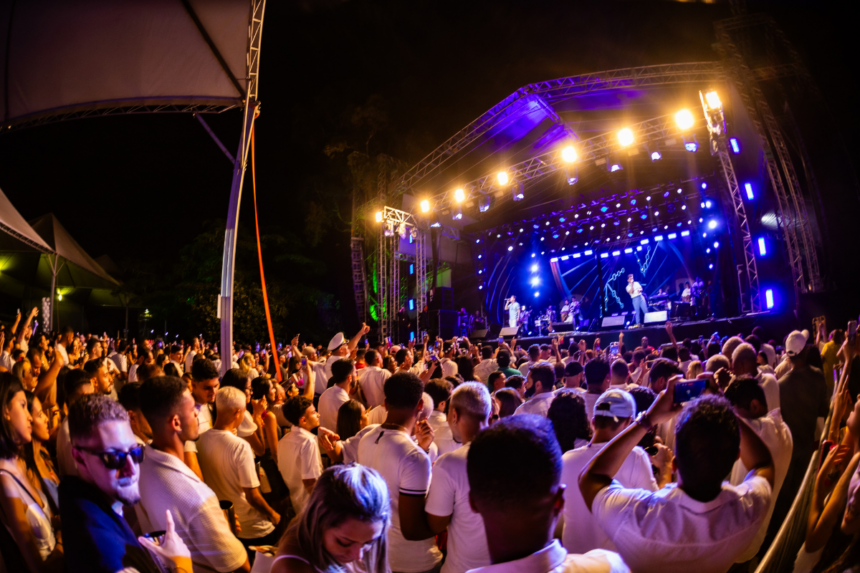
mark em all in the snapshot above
pixel 572 175
pixel 655 156
pixel 379 216
pixel 666 194
pixel 561 219
pixel 712 224
pixel 625 137
pixel 680 190
pixel 480 271
pixel 691 144
pixel 643 216
pixel 535 282
pixel 518 192
pixel 633 201
pixel 481 256
pixel 602 225
pixel 736 147
pixel 648 198
pixel 683 207
pixel 568 154
pixel 511 248
pixel 425 205
pixel 684 119
pixel 629 219
pixel 502 178
pixel 591 228
pixel 604 209
pixel 748 187
pixel 716 244
pixel 713 100
pixel 615 167
pixel 704 186
pixel 534 268
pixel 533 255
pixel 711 266
pixel 762 247
pixel 656 213
pixel 480 287
pixel 617 205
pixel 708 204
pixel 708 251
pixel 484 203
pixel 547 223
pixel 768 296
pixel 459 195
pixel 458 213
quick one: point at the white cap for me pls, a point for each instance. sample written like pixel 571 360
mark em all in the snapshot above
pixel 796 342
pixel 336 342
pixel 615 404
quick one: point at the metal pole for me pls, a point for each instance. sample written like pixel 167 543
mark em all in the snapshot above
pixel 229 262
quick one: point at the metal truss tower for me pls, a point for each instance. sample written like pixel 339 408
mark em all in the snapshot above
pixel 792 212
pixel 392 289
pixel 359 286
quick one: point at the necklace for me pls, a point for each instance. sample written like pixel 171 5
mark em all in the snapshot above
pixel 388 426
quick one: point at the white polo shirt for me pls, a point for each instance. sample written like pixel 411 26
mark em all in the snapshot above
pixel 555 559
pixel 537 404
pixel 406 470
pixel 581 532
pixel 227 463
pixel 775 434
pixel 167 483
pixel 667 531
pixel 299 459
pixel 372 380
pixel 330 402
pixel 485 368
pixel 189 360
pixel 449 495
pixel 350 445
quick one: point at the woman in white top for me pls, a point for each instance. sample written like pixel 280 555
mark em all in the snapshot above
pixel 344 525
pixel 27 536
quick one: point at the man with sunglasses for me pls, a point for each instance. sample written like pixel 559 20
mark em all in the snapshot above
pixel 108 459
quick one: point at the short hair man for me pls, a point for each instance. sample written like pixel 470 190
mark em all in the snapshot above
pixel 534 358
pixel 343 378
pixel 613 412
pixel 447 504
pixel 541 377
pixel 745 364
pixel 496 381
pixel 76 384
pixel 166 483
pixel 487 366
pixel 503 359
pixel 129 398
pixel 372 379
pixel 298 451
pixel 573 374
pixel 101 378
pixel 698 520
pixel 619 374
pixel 447 364
pixel 597 376
pixel 144 357
pixel 204 384
pixel 748 399
pixel 405 467
pixel 227 463
pixel 440 391
pixel 176 358
pixel 108 457
pixel 519 522
pixel 662 370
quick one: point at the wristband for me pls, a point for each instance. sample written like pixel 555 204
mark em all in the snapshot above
pixel 645 421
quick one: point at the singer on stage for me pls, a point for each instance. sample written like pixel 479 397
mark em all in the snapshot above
pixel 634 289
pixel 513 308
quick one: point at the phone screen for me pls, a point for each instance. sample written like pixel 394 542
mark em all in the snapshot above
pixel 613 350
pixel 304 361
pixel 687 390
pixel 501 339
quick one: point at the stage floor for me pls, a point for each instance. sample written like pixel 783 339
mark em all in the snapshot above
pixel 775 326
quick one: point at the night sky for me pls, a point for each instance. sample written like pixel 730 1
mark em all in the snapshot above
pixel 142 185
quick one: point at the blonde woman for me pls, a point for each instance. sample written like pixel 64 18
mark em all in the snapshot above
pixel 694 369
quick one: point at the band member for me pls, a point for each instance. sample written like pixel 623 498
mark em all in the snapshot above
pixel 687 293
pixel 513 308
pixel 634 289
pixel 574 317
pixel 565 310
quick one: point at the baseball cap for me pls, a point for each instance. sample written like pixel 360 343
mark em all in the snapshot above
pixel 615 404
pixel 573 369
pixel 336 342
pixel 796 342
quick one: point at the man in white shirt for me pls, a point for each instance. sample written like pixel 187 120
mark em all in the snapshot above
pixel 343 376
pixel 613 412
pixel 449 367
pixel 372 378
pixel 176 358
pixel 597 378
pixel 339 348
pixel 166 483
pixel 120 360
pixel 189 358
pixel 573 374
pixel 66 337
pixel 299 458
pixel 440 391
pixel 750 403
pixel 204 384
pixel 699 523
pixel 542 377
pixel 514 472
pixel 227 463
pixel 405 467
pixel 487 365
pixel 619 375
pixel 534 358
pixel 447 504
pixel 744 364
pixel 145 357
pixel 634 289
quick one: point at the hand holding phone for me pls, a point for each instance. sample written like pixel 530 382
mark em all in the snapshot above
pixel 687 390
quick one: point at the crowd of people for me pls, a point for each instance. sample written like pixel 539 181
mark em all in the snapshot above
pixel 124 455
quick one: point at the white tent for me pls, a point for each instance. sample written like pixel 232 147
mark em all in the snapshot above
pixel 63 60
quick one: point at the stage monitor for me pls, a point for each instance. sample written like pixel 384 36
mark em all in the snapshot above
pixel 611 321
pixel 509 331
pixel 479 334
pixel 658 316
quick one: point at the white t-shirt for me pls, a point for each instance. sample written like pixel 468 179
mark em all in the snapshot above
pixel 581 532
pixel 406 469
pixel 178 367
pixel 449 495
pixel 555 559
pixel 377 415
pixel 667 531
pixel 120 361
pixel 514 311
pixel 686 293
pixel 777 437
pixel 443 437
pixel 485 368
pixel 227 463
pixel 204 423
pixel 167 483
pixel 526 366
pixel 350 445
pixel 372 380
pixel 449 367
pixel 538 404
pixel 330 401
pixel 62 351
pixel 132 373
pixel 634 289
pixel 299 459
pixel 189 360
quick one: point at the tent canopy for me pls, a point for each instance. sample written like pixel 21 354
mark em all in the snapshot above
pixel 62 243
pixel 71 59
pixel 15 233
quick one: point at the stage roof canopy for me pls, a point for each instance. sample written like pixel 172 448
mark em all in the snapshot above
pixel 62 60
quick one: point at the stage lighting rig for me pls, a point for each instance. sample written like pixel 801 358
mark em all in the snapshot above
pixel 459 195
pixel 571 175
pixel 425 206
pixel 625 137
pixel 568 154
pixel 684 119
pixel 484 203
pixel 517 191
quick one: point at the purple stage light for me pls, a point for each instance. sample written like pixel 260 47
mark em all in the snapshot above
pixel 615 167
pixel 736 147
pixel 655 156
pixel 768 296
pixel 749 190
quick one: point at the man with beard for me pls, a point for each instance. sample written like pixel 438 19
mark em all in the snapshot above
pixel 108 460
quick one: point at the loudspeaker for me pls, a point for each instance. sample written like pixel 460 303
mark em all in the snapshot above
pixel 479 334
pixel 443 298
pixel 509 331
pixel 658 316
pixel 449 324
pixel 612 321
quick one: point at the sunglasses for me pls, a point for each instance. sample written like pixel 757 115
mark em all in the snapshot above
pixel 116 460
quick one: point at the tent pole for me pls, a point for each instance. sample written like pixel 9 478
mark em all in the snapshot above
pixel 229 262
pixel 53 262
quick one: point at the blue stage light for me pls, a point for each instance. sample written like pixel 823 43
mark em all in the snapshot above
pixel 576 255
pixel 628 251
pixel 561 219
pixel 537 294
pixel 683 207
pixel 666 194
pixel 685 233
pixel 589 253
pixel 716 244
pixel 673 235
pixel 704 185
pixel 553 260
pixel 477 240
pixel 480 271
pixel 658 238
pixel 533 255
pixel 748 187
pixel 479 256
pixel 644 242
pixel 691 146
pixel 656 213
pixel 736 147
pixel 411 304
pixel 565 257
pixel 655 156
pixel 712 224
pixel 638 248
pixel 633 201
pixel 535 281
pixel 762 247
pixel 534 268
pixel 708 251
pixel 480 287
pixel 604 255
pixel 768 297
pixel 567 232
pixel 615 168
pixel 629 234
pixel 555 235
pixel 708 204
pixel 511 248
pixel 536 226
pixel 616 253
pixel 579 230
pixel 643 216
pixel 604 209
pixel 412 268
pixel 711 266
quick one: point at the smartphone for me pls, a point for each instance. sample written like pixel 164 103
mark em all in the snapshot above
pixel 304 361
pixel 613 349
pixel 852 331
pixel 687 390
pixel 501 340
